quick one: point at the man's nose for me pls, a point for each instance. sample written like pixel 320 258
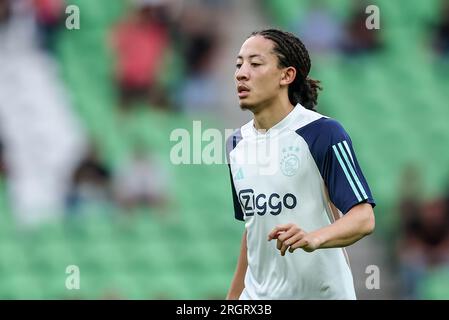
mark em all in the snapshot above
pixel 242 73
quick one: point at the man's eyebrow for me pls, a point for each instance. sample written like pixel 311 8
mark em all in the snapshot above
pixel 251 56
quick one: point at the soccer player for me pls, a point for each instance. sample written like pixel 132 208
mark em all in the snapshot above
pixel 309 193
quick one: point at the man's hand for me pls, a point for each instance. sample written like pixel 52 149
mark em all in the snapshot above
pixel 357 223
pixel 291 237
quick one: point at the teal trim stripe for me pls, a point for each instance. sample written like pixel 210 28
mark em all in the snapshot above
pixel 351 168
pixel 345 143
pixel 346 173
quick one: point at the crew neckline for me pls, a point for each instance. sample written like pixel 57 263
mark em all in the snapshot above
pixel 284 123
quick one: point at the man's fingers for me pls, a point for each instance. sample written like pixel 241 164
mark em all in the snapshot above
pixel 295 238
pixel 292 240
pixel 289 233
pixel 299 244
pixel 289 237
pixel 275 232
pixel 283 249
pixel 279 244
pixel 286 238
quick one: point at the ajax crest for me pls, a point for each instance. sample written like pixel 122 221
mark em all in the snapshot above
pixel 289 161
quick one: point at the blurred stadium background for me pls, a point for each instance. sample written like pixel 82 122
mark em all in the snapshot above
pixel 86 115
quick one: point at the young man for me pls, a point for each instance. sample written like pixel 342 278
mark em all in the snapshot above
pixel 308 194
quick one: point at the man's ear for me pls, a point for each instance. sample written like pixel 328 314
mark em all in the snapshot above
pixel 288 76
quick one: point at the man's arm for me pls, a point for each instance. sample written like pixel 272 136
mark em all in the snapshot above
pixel 238 282
pixel 354 225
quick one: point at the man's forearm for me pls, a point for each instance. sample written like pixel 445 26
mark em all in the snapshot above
pixel 353 226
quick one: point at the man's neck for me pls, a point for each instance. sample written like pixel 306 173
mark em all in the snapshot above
pixel 269 116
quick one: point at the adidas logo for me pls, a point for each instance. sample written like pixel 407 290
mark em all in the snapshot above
pixel 239 174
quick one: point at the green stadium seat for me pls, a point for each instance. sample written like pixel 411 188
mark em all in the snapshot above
pixel 435 285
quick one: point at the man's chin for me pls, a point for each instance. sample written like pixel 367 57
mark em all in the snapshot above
pixel 246 106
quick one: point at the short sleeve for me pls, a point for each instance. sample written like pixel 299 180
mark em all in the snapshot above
pixel 238 212
pixel 231 143
pixel 332 150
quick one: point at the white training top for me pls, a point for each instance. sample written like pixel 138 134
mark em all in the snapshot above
pixel 293 173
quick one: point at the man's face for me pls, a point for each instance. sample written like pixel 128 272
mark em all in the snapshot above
pixel 257 76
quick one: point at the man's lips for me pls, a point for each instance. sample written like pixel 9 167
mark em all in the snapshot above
pixel 243 91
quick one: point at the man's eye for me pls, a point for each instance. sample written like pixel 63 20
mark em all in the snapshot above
pixel 255 64
pixel 238 65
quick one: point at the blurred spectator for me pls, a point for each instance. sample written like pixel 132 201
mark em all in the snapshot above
pixel 141 181
pixel 357 38
pixel 91 183
pixel 139 42
pixel 424 234
pixel 33 21
pixel 199 89
pixel 320 30
pixel 49 18
pixel 434 232
pixel 411 264
pixel 18 28
pixel 5 11
pixel 40 131
pixel 411 190
pixel 441 31
pixel 199 36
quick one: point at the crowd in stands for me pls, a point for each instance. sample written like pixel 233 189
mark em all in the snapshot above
pixel 323 32
pixel 145 42
pixel 423 233
pixel 140 181
pixel 50 169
